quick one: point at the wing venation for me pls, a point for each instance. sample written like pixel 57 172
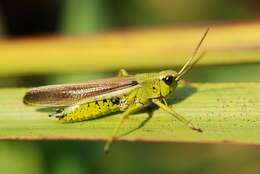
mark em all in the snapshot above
pixel 67 94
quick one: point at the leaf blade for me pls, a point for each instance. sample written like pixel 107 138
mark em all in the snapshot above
pixel 150 48
pixel 227 112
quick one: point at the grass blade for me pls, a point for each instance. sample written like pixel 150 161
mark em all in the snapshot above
pixel 225 44
pixel 227 112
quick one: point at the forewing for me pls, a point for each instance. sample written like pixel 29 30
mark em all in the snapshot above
pixel 68 94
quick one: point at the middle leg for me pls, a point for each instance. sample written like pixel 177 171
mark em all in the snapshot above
pixel 122 73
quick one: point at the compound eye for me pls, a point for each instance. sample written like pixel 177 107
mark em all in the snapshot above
pixel 168 80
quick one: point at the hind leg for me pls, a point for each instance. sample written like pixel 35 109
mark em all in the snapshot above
pixel 132 109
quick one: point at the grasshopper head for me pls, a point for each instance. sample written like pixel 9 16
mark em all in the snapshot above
pixel 169 79
pixel 168 82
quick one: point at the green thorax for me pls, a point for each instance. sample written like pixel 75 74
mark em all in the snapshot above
pixel 156 85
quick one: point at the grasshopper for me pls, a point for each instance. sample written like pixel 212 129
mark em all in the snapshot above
pixel 126 93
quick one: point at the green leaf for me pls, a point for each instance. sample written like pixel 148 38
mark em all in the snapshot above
pixel 225 44
pixel 227 112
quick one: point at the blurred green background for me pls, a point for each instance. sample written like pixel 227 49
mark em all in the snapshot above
pixel 28 18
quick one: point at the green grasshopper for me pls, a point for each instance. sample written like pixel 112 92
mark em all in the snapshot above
pixel 127 93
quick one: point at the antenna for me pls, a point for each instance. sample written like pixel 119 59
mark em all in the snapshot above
pixel 192 60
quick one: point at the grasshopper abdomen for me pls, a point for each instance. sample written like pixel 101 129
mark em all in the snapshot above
pixel 93 109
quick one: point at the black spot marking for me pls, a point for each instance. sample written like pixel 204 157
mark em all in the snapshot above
pixel 115 100
pixel 96 102
pixel 105 100
pixel 154 88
